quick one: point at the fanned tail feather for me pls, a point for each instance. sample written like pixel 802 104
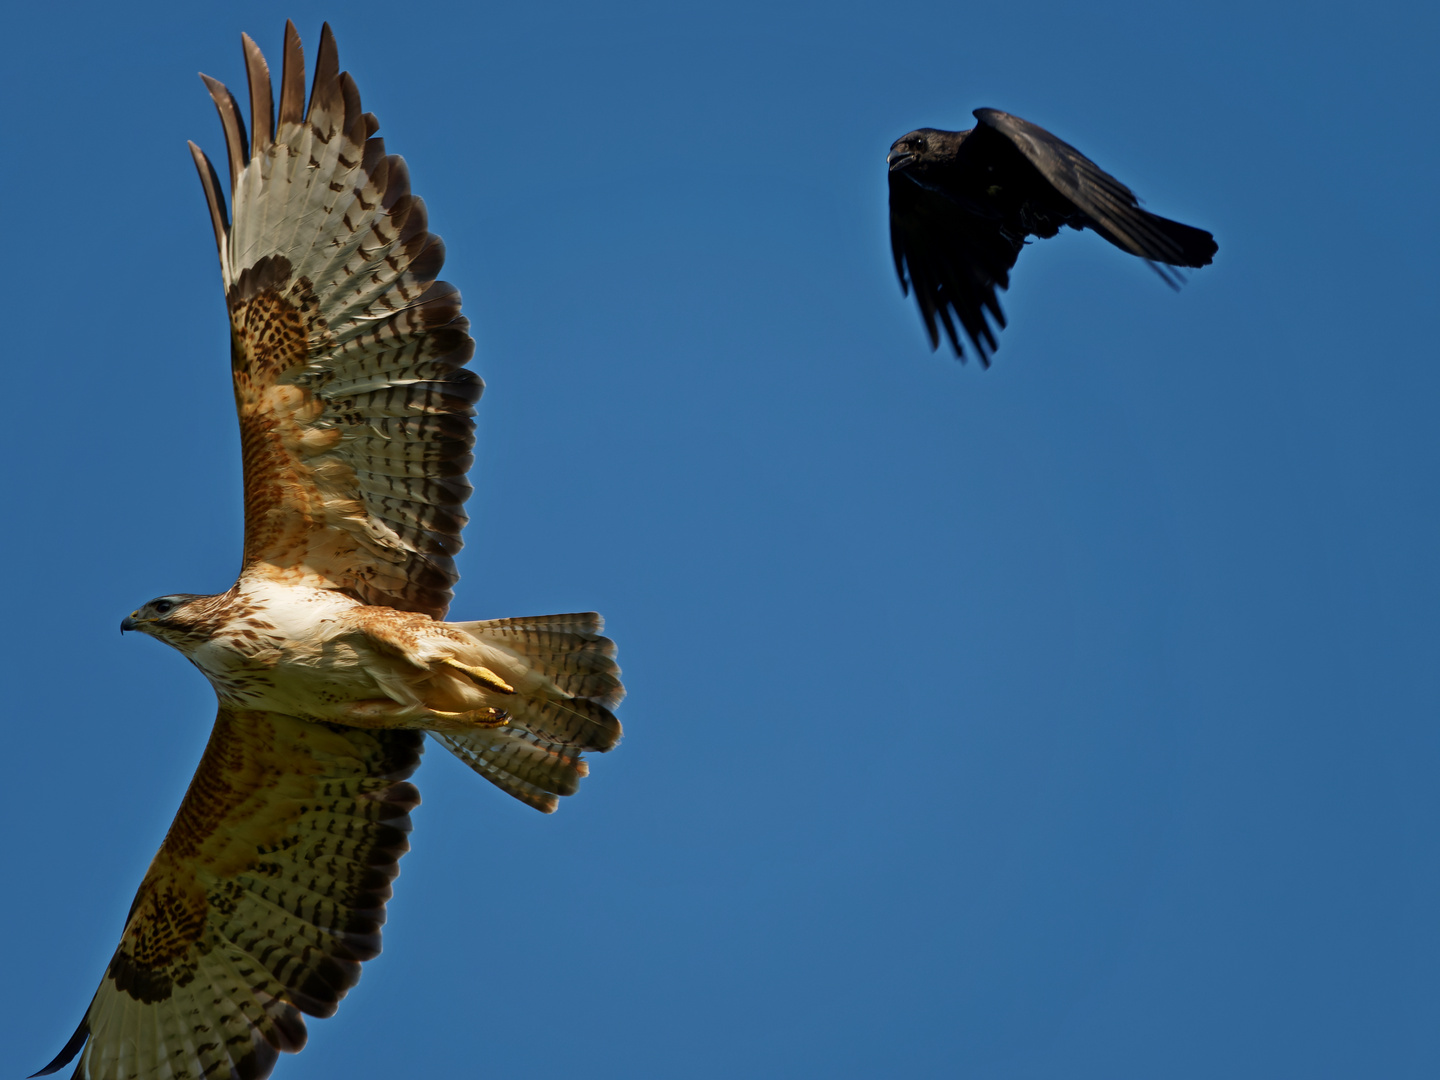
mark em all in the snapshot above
pixel 566 683
pixel 519 763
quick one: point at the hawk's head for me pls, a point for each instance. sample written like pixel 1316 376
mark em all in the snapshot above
pixel 169 618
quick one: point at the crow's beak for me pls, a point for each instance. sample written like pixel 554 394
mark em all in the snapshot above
pixel 128 623
pixel 898 159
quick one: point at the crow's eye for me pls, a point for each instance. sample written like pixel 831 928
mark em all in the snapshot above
pixel 162 607
pixel 920 145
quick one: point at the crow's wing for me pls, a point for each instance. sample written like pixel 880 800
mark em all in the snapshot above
pixel 1109 204
pixel 954 259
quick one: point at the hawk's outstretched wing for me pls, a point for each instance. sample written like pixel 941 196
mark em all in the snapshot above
pixel 269 890
pixel 347 352
pixel 266 895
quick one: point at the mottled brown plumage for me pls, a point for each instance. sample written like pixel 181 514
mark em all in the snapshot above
pixel 328 655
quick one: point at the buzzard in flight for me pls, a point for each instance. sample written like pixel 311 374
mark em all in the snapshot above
pixel 328 655
pixel 962 204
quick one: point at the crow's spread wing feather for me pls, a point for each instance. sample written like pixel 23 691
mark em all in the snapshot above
pixel 954 259
pixel 1110 206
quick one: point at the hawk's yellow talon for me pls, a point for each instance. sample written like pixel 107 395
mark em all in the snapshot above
pixel 484 676
pixel 489 718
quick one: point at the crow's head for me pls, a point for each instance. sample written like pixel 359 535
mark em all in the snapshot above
pixel 915 154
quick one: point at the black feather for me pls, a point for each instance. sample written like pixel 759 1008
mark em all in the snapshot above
pixel 963 203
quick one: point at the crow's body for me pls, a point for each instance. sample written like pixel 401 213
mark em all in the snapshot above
pixel 962 204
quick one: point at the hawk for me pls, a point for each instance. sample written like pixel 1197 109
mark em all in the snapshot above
pixel 962 204
pixel 329 655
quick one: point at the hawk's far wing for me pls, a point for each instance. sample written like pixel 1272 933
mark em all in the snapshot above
pixel 347 353
pixel 267 893
pixel 1113 210
pixel 954 259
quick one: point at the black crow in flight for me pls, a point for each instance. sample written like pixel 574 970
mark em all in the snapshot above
pixel 963 202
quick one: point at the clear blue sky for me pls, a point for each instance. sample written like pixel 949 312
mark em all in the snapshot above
pixel 1072 719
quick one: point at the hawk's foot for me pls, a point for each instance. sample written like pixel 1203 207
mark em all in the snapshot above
pixel 485 718
pixel 484 676
pixel 385 713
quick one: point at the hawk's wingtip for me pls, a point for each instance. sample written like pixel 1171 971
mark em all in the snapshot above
pixel 71 1048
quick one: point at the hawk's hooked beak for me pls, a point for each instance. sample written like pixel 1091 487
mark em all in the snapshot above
pixel 898 159
pixel 129 623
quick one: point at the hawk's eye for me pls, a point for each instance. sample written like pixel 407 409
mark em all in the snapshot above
pixel 162 607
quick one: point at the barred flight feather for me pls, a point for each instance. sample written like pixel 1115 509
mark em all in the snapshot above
pixel 520 763
pixel 348 353
pixel 267 894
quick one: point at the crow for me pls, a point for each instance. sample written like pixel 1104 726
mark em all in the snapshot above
pixel 962 204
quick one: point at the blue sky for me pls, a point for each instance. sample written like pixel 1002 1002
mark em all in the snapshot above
pixel 1075 718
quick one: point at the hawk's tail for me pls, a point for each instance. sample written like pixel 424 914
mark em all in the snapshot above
pixel 565 682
